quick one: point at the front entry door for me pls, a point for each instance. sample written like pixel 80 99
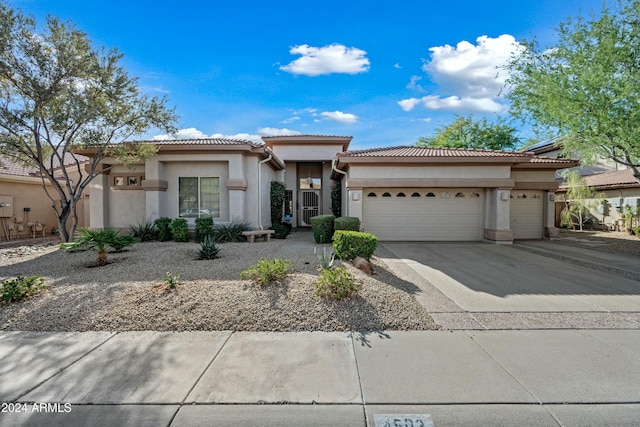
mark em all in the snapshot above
pixel 310 205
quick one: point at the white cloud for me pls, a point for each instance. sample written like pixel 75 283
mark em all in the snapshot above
pixel 339 116
pixel 454 103
pixel 398 66
pixel 267 131
pixel 408 104
pixel 469 70
pixel 413 84
pixel 291 119
pixel 334 58
pixel 470 78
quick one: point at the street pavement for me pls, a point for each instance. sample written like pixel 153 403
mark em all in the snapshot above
pixel 502 377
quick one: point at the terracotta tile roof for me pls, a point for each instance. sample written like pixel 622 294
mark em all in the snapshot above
pixel 608 180
pixel 8 167
pixel 542 159
pixel 415 151
pixel 201 141
pixel 307 137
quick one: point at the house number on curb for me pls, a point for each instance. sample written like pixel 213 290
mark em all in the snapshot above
pixel 402 420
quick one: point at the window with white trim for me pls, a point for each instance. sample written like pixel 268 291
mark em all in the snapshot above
pixel 199 197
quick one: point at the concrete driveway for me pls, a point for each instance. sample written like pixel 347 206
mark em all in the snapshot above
pixel 536 277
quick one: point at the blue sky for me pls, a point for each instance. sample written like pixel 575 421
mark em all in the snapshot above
pixel 384 72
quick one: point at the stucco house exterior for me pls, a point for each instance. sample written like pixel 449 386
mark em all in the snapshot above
pixel 25 208
pixel 399 193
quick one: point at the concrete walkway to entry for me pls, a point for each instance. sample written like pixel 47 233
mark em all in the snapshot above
pixel 553 377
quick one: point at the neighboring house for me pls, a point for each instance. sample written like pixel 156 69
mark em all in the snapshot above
pixel 615 185
pixel 25 208
pixel 615 189
pixel 399 193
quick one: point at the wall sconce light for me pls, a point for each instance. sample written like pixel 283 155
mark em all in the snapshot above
pixel 552 197
pixel 355 196
pixel 504 196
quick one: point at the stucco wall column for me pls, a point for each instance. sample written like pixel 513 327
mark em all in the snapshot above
pixel 99 202
pixel 549 212
pixel 498 216
pixel 354 203
pixel 237 186
pixel 154 189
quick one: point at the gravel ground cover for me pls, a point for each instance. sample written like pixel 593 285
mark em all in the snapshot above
pixel 128 294
pixel 607 241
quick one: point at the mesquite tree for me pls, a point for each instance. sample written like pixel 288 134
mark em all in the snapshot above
pixel 59 93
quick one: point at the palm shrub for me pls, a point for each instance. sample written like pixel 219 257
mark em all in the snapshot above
pixel 98 241
pixel 204 228
pixel 145 231
pixel 179 230
pixel 266 271
pixel 336 283
pixel 208 248
pixel 164 232
pixel 352 244
pixel 124 241
pixel 230 232
pixel 322 226
pixel 347 223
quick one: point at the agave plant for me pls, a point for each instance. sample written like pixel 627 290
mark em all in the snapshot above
pixel 98 240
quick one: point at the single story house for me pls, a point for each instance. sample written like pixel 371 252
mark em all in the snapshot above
pixel 399 193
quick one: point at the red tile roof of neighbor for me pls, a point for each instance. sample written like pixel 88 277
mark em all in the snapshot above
pixel 202 141
pixel 10 167
pixel 609 180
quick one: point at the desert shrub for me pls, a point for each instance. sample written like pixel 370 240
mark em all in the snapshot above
pixel 266 271
pixel 208 248
pixel 204 227
pixel 637 231
pixel 20 288
pixel 230 232
pixel 347 223
pixel 282 231
pixel 145 231
pixel 179 230
pixel 326 258
pixel 353 244
pixel 164 231
pixel 336 283
pixel 322 226
pixel 171 280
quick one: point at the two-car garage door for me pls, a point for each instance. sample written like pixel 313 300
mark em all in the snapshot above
pixel 424 214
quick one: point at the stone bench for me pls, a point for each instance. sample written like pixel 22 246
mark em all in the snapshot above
pixel 265 234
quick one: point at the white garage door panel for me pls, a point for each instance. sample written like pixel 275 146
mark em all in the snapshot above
pixel 444 217
pixel 526 212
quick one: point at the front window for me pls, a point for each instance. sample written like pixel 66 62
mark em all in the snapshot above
pixel 199 197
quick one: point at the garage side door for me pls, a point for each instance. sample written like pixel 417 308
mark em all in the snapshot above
pixel 424 214
pixel 526 213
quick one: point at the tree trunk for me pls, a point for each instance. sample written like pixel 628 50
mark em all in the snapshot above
pixel 102 258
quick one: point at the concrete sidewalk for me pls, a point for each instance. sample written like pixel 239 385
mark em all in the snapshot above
pixel 553 377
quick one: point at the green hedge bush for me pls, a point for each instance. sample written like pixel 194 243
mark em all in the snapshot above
pixel 322 226
pixel 347 223
pixel 164 232
pixel 204 228
pixel 352 244
pixel 180 230
pixel 282 231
